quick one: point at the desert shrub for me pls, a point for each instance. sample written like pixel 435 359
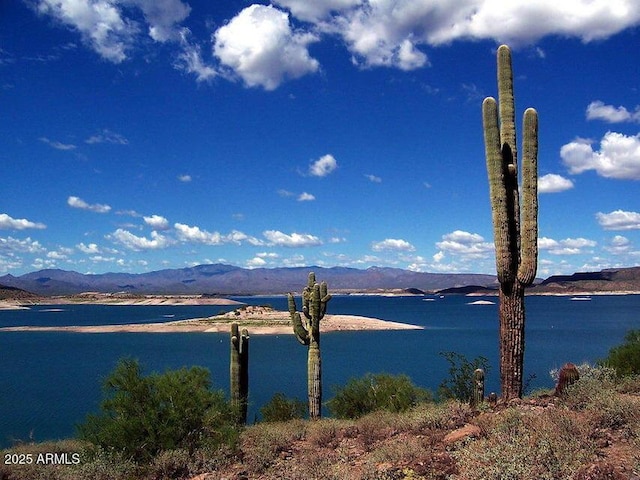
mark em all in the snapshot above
pixel 394 393
pixel 459 384
pixel 625 358
pixel 143 415
pixel 281 409
pixel 527 446
pixel 260 444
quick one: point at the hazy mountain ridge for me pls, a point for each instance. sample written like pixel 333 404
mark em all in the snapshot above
pixel 220 279
pixel 225 280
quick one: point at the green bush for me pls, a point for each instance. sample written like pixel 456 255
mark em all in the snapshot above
pixel 459 385
pixel 282 409
pixel 625 358
pixel 143 415
pixel 376 392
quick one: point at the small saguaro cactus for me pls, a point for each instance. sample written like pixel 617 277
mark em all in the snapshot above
pixel 567 375
pixel 307 331
pixel 515 235
pixel 239 371
pixel 478 387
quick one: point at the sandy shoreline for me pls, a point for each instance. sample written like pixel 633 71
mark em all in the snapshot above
pixel 258 320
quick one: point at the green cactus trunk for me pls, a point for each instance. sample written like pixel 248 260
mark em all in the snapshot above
pixel 478 387
pixel 314 306
pixel 239 372
pixel 515 237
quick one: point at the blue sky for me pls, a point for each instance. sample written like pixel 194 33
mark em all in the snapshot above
pixel 139 135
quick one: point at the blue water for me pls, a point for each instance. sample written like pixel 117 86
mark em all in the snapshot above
pixel 49 381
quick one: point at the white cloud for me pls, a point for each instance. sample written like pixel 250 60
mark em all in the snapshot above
pixel 553 183
pixel 105 27
pixel 618 157
pixel 293 240
pixel 306 197
pixel 107 136
pixel 190 60
pixel 10 245
pixel 465 244
pixel 323 166
pixel 373 178
pixel 157 222
pixel 195 234
pixel 185 178
pixel 77 202
pixel 260 46
pixel 163 17
pixel 568 246
pixel 98 21
pixel 58 145
pixel 90 249
pixel 256 262
pixel 597 110
pixel 393 244
pixel 136 243
pixel 313 11
pixel 619 220
pixel 619 245
pixel 9 223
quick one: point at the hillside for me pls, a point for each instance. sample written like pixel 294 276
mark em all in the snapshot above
pixel 609 280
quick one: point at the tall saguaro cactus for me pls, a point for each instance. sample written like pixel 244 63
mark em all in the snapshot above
pixel 307 331
pixel 515 217
pixel 239 371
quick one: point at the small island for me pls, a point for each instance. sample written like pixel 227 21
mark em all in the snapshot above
pixel 260 320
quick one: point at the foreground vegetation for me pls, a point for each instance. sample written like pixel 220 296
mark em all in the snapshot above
pixel 173 426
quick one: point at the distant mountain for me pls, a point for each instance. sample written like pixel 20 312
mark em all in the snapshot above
pixel 609 280
pixel 219 279
pixel 13 293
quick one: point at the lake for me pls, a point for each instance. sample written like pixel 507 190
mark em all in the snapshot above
pixel 49 381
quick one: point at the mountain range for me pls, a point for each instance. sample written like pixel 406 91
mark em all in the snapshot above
pixel 220 279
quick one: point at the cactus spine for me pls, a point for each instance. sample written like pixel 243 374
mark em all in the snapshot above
pixel 307 331
pixel 515 235
pixel 239 371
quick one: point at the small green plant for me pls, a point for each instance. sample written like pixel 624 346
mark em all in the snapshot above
pixel 460 384
pixel 282 409
pixel 625 358
pixel 394 393
pixel 144 415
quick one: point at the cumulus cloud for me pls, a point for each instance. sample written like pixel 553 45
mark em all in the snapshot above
pixel 110 29
pixel 256 262
pixel 195 234
pixel 293 240
pixel 568 246
pixel 618 157
pixel 91 249
pixel 597 110
pixel 619 220
pixel 11 245
pixel 553 183
pixel 619 245
pixel 136 243
pixel 184 178
pixel 77 202
pixel 466 244
pixel 157 222
pixel 323 166
pixel 306 197
pixel 9 223
pixel 260 46
pixel 392 244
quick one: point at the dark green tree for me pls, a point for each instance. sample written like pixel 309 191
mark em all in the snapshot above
pixel 143 415
pixel 281 409
pixel 625 358
pixel 382 391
